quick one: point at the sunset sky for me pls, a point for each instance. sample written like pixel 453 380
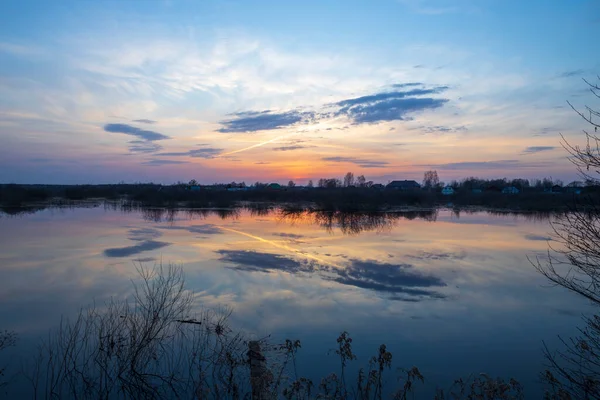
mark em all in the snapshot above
pixel 162 91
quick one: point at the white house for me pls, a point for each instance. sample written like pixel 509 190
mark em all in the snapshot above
pixel 510 190
pixel 448 190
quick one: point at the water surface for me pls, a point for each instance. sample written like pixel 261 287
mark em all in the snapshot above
pixel 451 294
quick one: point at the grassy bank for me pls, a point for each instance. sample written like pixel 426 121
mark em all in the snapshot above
pixel 159 346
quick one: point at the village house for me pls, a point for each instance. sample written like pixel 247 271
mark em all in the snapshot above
pixel 403 185
pixel 448 190
pixel 510 190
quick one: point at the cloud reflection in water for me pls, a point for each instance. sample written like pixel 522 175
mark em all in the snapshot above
pixel 401 281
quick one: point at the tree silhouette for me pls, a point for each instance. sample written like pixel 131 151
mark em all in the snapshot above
pixel 574 371
pixel 349 179
pixel 361 180
pixel 430 179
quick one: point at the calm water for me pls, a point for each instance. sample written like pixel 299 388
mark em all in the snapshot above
pixel 453 295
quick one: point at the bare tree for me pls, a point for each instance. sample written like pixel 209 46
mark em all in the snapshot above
pixel 361 181
pixel 152 347
pixel 330 183
pixel 574 263
pixel 430 179
pixel 291 184
pixel 311 184
pixel 7 339
pixel 349 179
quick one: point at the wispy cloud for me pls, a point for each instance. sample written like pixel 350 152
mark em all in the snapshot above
pixel 288 235
pixel 158 163
pixel 535 237
pixel 501 165
pixel 143 146
pixel 144 121
pixel 537 149
pixel 136 249
pixel 398 281
pixel 254 146
pixel 206 229
pixel 253 121
pixel 246 260
pixel 290 148
pixel 143 234
pixel 572 73
pixel 546 130
pixel 444 129
pixel 408 84
pixel 394 105
pixel 383 96
pixel 133 131
pixel 439 255
pixel 392 278
pixel 146 142
pixel 358 161
pixel 206 152
pixel 475 165
pixel 390 106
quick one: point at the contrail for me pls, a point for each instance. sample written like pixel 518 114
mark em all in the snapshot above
pixel 282 246
pixel 257 145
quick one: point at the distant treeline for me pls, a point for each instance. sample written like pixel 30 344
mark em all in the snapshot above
pixel 352 198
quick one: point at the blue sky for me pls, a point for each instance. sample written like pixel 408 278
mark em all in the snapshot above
pixel 270 90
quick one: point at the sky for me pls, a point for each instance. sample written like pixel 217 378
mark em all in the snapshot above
pixel 221 91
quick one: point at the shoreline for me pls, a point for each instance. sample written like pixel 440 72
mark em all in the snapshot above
pixel 286 207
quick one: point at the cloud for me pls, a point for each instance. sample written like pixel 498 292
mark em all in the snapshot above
pixel 145 259
pixel 532 236
pixel 390 278
pixel 262 163
pixel 444 129
pixel 206 229
pixel 358 161
pixel 390 106
pixel 537 149
pixel 383 106
pixel 206 152
pixel 144 234
pixel 481 165
pixel 546 130
pixel 145 121
pixel 572 73
pixel 383 96
pixel 252 121
pixel 402 281
pixel 290 148
pixel 408 84
pixel 246 260
pixel 439 255
pixel 145 143
pixel 127 251
pixel 143 146
pixel 133 131
pixel 289 235
pixel 157 163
